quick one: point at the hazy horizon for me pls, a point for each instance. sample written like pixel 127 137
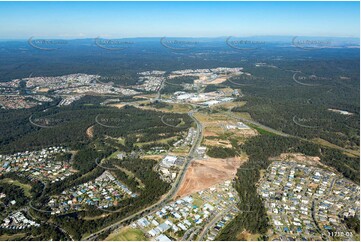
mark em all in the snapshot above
pixel 76 20
pixel 180 37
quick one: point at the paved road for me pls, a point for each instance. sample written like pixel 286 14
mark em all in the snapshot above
pixel 313 215
pixel 49 222
pixel 211 223
pixel 194 233
pixel 269 129
pixel 187 233
pixel 169 196
pixel 260 125
pixel 160 89
pixel 331 186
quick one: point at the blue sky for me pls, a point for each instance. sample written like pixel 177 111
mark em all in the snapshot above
pixel 21 20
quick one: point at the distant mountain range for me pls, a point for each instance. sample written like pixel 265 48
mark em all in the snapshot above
pixel 209 39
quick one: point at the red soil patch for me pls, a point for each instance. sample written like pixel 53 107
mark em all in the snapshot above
pixel 203 174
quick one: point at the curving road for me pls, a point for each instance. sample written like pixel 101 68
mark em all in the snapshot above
pixel 230 114
pixel 269 129
pixel 167 197
pixel 211 223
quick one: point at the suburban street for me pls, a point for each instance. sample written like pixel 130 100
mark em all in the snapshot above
pixel 167 197
pixel 210 224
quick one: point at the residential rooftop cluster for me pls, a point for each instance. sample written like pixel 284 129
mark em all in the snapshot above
pixel 22 101
pixel 17 220
pixel 9 91
pixel 67 100
pixel 218 70
pixel 185 218
pixel 69 84
pixel 16 102
pixel 149 73
pixel 306 202
pixel 72 87
pixel 41 98
pixel 12 84
pixel 150 81
pixel 97 89
pixel 60 82
pixel 38 165
pixel 104 192
pixel 224 217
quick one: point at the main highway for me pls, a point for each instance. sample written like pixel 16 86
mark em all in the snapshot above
pixel 280 133
pixel 170 195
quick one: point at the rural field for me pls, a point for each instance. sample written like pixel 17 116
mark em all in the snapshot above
pixel 126 234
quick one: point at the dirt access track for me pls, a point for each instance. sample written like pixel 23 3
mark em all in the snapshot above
pixel 206 173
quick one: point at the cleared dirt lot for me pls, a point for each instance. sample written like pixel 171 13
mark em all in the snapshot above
pixel 117 105
pixel 206 173
pixel 302 158
pixel 90 132
pixel 153 157
pixel 218 80
pixel 218 143
pixel 216 132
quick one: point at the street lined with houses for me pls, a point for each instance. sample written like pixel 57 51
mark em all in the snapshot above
pixel 307 202
pixel 185 218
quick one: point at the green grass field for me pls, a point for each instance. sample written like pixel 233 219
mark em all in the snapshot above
pixel 197 200
pixel 26 187
pixel 260 130
pixel 127 234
